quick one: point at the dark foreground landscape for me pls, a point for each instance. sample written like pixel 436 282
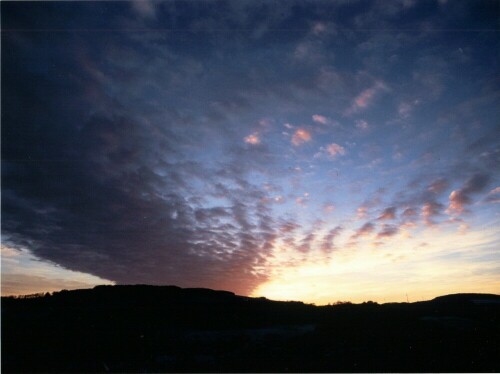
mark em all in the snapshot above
pixel 161 329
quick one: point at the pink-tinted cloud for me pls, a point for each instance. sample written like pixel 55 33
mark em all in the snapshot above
pixel 430 210
pixel 460 198
pixel 279 199
pixel 388 231
pixel 361 212
pixel 405 109
pixel 306 243
pixel 409 213
pixel 328 207
pixel 365 98
pixel 494 196
pixel 364 230
pixel 318 118
pixel 327 244
pixel 457 202
pixel 265 122
pixel 301 200
pixel 494 191
pixel 319 28
pixel 438 186
pixel 301 136
pixel 288 227
pixel 253 139
pixel 334 149
pixel 331 151
pixel 388 214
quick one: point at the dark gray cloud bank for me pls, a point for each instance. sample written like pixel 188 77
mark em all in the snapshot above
pixel 122 124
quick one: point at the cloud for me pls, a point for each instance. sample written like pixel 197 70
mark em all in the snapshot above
pixel 320 119
pixel 144 8
pixel 301 136
pixel 494 191
pixel 328 207
pixel 438 186
pixel 430 210
pixel 371 202
pixel 409 213
pixel 334 149
pixel 388 214
pixel 302 200
pixel 252 139
pixel 265 122
pixel 388 231
pixel 361 212
pixel 364 230
pixel 362 124
pixel 279 199
pixel 289 226
pixel 457 202
pixel 327 243
pixel 458 199
pixel 397 156
pixel 306 242
pixel 319 28
pixel 494 196
pixel 127 189
pixel 365 98
pixel 405 109
pixel 331 151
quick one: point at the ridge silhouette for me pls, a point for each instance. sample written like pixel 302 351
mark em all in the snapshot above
pixel 141 328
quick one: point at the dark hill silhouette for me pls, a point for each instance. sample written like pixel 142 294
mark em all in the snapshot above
pixel 166 328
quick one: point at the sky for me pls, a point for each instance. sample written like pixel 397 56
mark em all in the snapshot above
pixel 319 151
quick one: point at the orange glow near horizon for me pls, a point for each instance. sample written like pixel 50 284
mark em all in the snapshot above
pixel 389 273
pixel 401 268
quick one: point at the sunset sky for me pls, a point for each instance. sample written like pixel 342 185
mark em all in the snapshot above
pixel 297 150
